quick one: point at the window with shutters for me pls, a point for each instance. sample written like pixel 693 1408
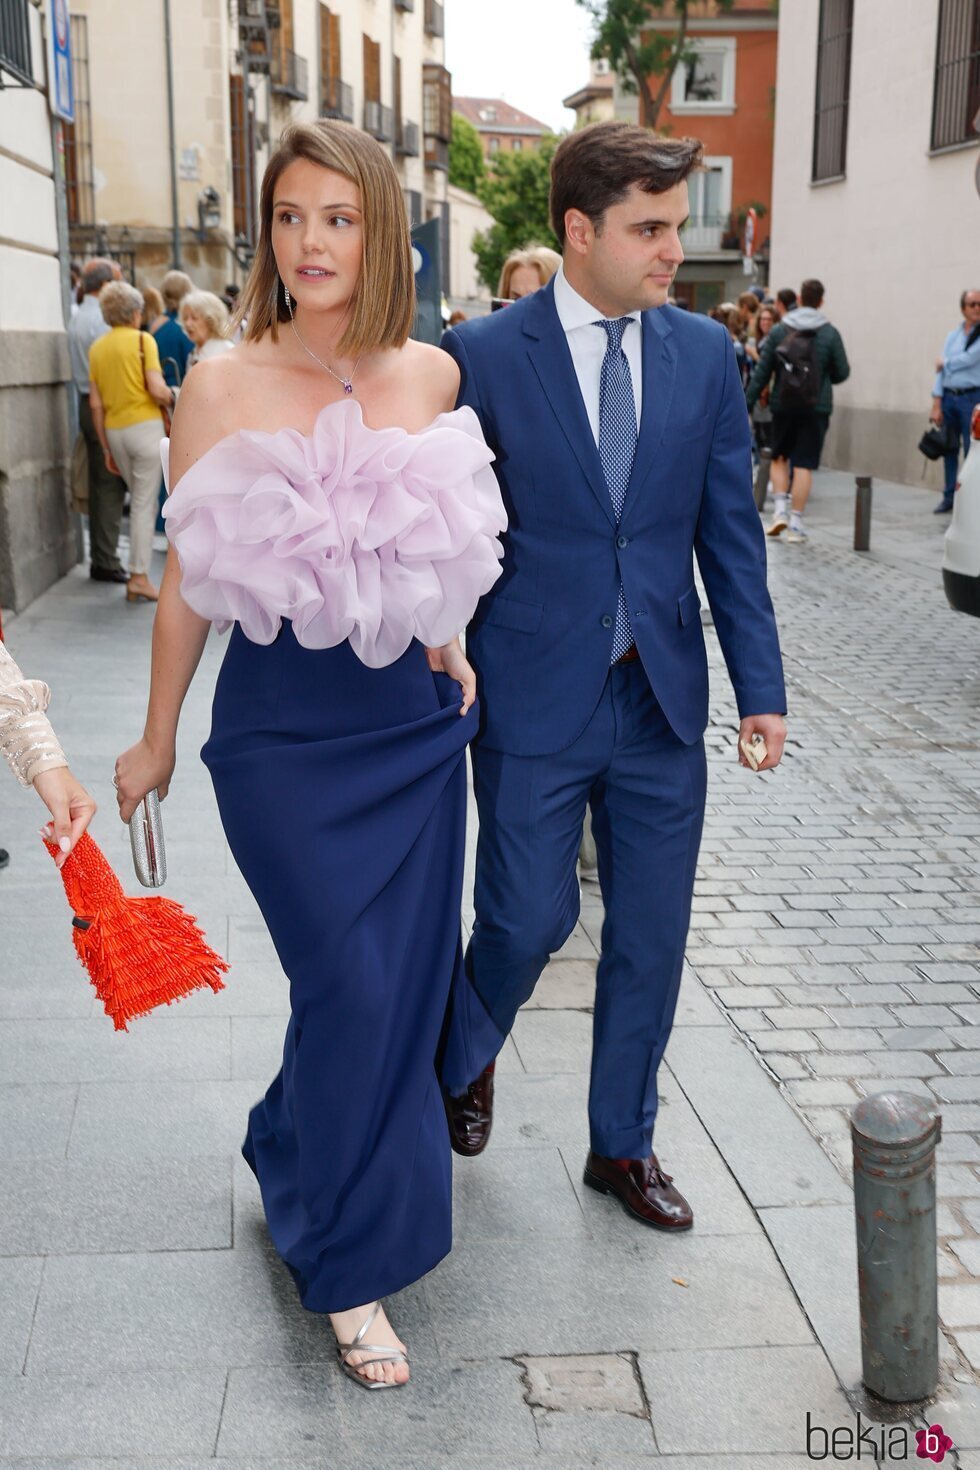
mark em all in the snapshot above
pixel 372 70
pixel 242 154
pixel 79 176
pixel 956 90
pixel 833 89
pixel 15 40
pixel 336 95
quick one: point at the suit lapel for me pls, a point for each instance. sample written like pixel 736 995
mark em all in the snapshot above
pixel 547 348
pixel 659 371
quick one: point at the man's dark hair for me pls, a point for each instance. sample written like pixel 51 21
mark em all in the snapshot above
pixel 811 293
pixel 96 273
pixel 595 168
pixel 787 296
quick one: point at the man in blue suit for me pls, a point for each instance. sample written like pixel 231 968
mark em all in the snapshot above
pixel 622 449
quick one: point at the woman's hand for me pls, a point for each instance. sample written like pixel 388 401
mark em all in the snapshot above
pixel 70 806
pixel 110 464
pixel 140 769
pixel 451 660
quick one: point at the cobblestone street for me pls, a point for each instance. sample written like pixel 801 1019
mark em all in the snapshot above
pixel 144 1320
pixel 838 913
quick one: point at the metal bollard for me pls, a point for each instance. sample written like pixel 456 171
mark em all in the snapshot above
pixel 762 478
pixel 862 513
pixel 894 1136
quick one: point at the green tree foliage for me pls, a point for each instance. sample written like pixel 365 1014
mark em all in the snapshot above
pixel 644 61
pixel 516 194
pixel 466 166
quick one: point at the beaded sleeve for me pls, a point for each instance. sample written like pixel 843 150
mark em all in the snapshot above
pixel 27 741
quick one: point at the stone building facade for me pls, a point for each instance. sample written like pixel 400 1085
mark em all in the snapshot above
pixel 875 193
pixel 39 539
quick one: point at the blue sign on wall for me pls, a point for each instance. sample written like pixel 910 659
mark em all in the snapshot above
pixel 61 98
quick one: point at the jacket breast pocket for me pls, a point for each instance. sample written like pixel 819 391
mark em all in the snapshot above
pixel 511 613
pixel 686 429
pixel 688 606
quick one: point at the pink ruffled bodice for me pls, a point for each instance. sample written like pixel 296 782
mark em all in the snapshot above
pixel 374 535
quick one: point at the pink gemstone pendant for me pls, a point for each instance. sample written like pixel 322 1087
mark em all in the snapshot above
pixel 348 387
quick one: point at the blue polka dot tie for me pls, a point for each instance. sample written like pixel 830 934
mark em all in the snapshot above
pixel 617 446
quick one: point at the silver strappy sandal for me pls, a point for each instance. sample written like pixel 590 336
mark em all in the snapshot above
pixel 386 1354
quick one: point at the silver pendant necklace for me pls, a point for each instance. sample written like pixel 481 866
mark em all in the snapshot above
pixel 346 383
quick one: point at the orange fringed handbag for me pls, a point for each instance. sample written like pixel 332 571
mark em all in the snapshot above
pixel 139 952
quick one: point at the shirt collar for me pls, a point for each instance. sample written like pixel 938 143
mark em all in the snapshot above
pixel 573 310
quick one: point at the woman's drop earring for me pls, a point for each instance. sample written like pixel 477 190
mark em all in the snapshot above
pixel 289 304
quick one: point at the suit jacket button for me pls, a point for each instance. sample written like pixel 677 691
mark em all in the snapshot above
pixel 607 621
pixel 622 541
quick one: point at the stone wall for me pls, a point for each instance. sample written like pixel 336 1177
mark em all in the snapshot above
pixel 40 537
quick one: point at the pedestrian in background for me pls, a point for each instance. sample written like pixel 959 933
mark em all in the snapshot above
pixel 730 316
pixel 748 310
pixel 786 300
pixel 761 413
pixel 174 345
pixel 956 390
pixel 204 317
pixel 154 316
pixel 127 391
pixel 806 354
pixel 526 271
pixel 106 492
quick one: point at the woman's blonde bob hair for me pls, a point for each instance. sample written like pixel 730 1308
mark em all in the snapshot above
pixel 539 257
pixel 382 308
pixel 120 302
pixel 209 309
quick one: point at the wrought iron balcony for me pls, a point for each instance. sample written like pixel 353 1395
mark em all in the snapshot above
pixel 703 232
pixel 436 153
pixel 336 99
pixel 379 121
pixel 290 74
pixel 435 18
pixel 407 139
pixel 254 26
pixel 404 4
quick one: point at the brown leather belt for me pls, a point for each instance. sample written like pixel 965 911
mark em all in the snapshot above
pixel 629 656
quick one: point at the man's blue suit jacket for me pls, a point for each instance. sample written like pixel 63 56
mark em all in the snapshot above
pixel 541 639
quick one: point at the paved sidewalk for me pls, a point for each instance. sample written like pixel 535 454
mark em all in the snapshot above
pixel 143 1318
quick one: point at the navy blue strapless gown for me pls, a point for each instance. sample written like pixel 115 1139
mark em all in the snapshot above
pixel 342 791
pixel 338 760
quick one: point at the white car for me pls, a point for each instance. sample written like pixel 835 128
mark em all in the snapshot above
pixel 961 556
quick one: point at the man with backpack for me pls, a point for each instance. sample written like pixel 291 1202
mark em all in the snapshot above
pixel 806 355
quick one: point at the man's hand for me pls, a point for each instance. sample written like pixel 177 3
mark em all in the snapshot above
pixel 937 411
pixel 772 728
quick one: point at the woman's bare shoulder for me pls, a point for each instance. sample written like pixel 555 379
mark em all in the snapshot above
pixel 213 402
pixel 434 370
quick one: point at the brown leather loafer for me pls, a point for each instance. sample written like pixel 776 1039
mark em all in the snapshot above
pixel 643 1190
pixel 471 1116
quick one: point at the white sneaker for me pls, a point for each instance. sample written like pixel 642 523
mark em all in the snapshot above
pixel 796 538
pixel 778 525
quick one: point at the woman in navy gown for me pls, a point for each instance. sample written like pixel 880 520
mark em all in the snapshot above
pixel 329 505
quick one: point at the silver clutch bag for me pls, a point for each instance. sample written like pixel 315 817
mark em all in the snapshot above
pixel 146 837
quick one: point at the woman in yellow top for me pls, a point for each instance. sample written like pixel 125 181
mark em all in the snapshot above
pixel 126 393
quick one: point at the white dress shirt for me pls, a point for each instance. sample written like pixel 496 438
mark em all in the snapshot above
pixel 587 344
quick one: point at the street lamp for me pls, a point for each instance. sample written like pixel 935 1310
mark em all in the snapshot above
pixel 208 211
